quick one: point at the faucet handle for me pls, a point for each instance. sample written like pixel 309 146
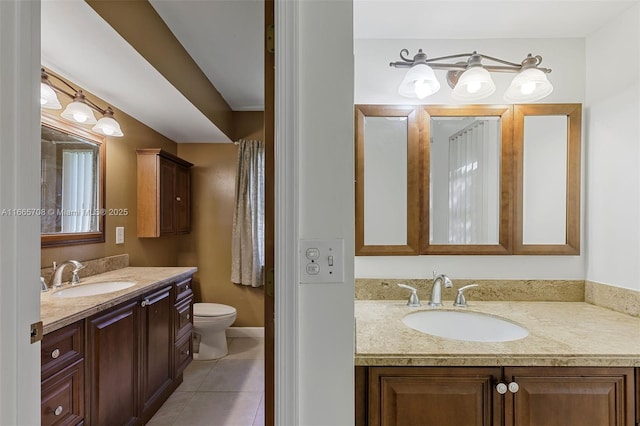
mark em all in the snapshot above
pixel 461 301
pixel 413 301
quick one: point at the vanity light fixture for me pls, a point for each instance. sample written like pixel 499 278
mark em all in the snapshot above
pixel 470 79
pixel 80 110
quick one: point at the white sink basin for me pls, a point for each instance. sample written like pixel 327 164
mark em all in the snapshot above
pixel 93 289
pixel 465 325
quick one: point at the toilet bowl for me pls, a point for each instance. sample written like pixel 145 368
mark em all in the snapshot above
pixel 210 322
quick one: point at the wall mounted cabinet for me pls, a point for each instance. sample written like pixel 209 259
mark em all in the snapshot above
pixel 164 199
pixel 479 179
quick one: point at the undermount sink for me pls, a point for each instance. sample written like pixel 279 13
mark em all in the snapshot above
pixel 465 325
pixel 93 289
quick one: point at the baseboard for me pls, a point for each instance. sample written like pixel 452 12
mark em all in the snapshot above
pixel 245 332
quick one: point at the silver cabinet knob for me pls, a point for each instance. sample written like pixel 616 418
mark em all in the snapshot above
pixel 188 316
pixel 177 198
pixel 55 354
pixel 513 387
pixel 58 410
pixel 501 388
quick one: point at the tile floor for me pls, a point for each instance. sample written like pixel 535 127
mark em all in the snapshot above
pixel 225 392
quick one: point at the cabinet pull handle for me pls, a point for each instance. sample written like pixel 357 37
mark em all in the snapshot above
pixel 58 410
pixel 501 388
pixel 55 354
pixel 514 387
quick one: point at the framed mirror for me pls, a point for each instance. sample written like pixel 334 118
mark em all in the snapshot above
pixel 468 180
pixel 388 156
pixel 72 184
pixel 547 175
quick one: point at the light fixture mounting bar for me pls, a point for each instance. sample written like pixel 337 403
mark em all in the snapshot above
pixel 47 76
pixel 421 58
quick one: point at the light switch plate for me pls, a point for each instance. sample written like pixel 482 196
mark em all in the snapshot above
pixel 119 234
pixel 321 261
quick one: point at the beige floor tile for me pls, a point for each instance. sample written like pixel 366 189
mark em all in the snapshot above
pixel 194 375
pixel 171 409
pixel 234 375
pixel 246 348
pixel 220 409
pixel 259 419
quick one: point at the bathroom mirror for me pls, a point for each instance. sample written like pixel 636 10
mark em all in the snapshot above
pixel 387 180
pixel 547 173
pixel 72 184
pixel 468 181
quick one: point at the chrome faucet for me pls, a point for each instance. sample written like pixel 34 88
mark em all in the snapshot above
pixel 436 288
pixel 56 280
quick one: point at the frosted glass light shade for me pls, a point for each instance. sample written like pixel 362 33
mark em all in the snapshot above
pixel 420 81
pixel 529 85
pixel 79 112
pixel 108 126
pixel 475 83
pixel 48 97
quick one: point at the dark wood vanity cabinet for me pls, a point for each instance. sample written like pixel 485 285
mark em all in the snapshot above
pixel 533 396
pixel 62 376
pixel 113 365
pixel 156 348
pixel 164 200
pixel 120 365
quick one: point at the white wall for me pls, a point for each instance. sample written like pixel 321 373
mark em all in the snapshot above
pixel 326 311
pixel 613 152
pixel 19 189
pixel 376 82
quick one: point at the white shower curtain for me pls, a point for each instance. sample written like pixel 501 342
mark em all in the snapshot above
pixel 78 194
pixel 247 241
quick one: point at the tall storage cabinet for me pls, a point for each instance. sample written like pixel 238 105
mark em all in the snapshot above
pixel 164 201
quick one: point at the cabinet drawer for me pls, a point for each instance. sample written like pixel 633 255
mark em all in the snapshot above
pixel 62 400
pixel 183 354
pixel 183 289
pixel 61 347
pixel 184 318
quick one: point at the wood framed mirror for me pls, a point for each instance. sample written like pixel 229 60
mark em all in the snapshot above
pixel 72 184
pixel 388 184
pixel 467 182
pixel 547 139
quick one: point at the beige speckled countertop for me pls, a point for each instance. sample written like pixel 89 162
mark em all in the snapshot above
pixel 560 334
pixel 56 312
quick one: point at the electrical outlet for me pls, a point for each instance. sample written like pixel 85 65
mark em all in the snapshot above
pixel 321 261
pixel 119 234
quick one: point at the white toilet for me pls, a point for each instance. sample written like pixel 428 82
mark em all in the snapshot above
pixel 210 322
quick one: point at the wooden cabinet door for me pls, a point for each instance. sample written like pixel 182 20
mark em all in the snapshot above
pixel 62 401
pixel 434 396
pixel 113 366
pixel 167 196
pixel 156 349
pixel 182 200
pixel 557 396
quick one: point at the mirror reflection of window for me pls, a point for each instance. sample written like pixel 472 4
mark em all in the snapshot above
pixel 69 183
pixel 465 180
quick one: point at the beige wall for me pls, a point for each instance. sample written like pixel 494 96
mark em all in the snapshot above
pixel 121 193
pixel 209 244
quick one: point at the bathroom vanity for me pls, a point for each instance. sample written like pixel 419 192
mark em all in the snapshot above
pixel 579 365
pixel 115 358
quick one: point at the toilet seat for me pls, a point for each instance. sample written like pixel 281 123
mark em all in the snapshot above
pixel 212 310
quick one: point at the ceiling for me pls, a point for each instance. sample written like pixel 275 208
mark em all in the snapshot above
pixel 225 40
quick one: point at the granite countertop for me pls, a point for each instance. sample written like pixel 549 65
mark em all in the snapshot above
pixel 560 334
pixel 57 312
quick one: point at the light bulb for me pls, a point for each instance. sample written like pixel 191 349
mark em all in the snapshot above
pixel 422 88
pixel 108 130
pixel 79 117
pixel 528 88
pixel 474 86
